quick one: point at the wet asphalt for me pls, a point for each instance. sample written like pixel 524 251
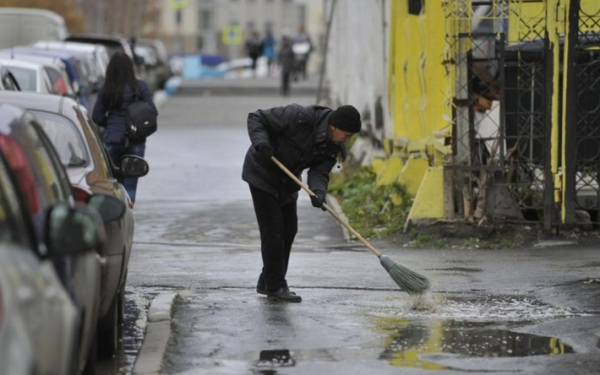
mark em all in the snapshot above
pixel 526 310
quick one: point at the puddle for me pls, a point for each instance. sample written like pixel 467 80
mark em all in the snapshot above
pixel 408 343
pixel 467 327
pixel 134 320
pixel 492 308
pixel 269 360
pixel 457 269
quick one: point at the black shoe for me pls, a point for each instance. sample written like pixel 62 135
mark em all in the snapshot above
pixel 260 286
pixel 285 295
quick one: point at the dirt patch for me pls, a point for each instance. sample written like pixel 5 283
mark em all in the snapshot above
pixel 485 237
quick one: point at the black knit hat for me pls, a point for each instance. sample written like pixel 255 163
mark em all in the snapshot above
pixel 346 118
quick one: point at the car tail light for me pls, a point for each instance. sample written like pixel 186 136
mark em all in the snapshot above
pixel 81 194
pixel 19 165
pixel 61 87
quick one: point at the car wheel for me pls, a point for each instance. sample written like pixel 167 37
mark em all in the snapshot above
pixel 108 331
pixel 92 357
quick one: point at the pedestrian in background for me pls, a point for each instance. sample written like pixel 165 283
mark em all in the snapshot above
pixel 269 50
pixel 286 61
pixel 121 88
pixel 302 49
pixel 301 138
pixel 254 48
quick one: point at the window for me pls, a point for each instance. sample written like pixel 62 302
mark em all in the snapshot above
pixel 204 19
pixel 416 7
pixel 302 15
pixel 65 138
pixel 8 80
pixel 26 78
pixel 13 227
pixel 200 43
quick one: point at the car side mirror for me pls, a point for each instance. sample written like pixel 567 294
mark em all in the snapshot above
pixel 133 166
pixel 110 208
pixel 73 231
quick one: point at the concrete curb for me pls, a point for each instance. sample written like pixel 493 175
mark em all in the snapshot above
pixel 188 90
pixel 156 337
pixel 335 205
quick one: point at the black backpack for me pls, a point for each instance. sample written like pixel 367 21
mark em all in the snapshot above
pixel 141 118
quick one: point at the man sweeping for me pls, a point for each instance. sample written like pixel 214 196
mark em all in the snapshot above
pixel 300 138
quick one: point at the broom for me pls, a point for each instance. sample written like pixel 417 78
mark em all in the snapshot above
pixel 409 281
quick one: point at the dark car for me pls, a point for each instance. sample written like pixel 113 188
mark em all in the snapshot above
pixel 91 172
pixel 163 68
pixel 113 44
pixel 43 183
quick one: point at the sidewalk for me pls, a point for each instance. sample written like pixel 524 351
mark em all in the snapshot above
pixel 246 86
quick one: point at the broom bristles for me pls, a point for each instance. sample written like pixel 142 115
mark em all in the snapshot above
pixel 409 281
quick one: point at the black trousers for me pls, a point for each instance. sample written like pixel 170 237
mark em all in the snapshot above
pixel 278 225
pixel 285 82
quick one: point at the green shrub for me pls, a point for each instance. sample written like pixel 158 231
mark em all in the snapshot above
pixel 370 209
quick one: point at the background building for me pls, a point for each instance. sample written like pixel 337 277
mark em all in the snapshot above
pixel 198 27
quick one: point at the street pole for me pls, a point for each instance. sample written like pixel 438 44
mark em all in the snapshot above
pixel 326 48
pixel 179 33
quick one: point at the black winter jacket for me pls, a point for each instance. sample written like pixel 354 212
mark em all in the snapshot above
pixel 298 136
pixel 114 119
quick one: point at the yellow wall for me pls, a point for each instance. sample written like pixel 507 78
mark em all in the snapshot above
pixel 524 18
pixel 418 84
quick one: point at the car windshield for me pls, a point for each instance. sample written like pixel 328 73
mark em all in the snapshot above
pixel 26 78
pixel 65 138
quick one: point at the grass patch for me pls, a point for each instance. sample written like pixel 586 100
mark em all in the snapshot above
pixel 370 209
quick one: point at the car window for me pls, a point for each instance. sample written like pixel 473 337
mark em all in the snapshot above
pixel 49 185
pixel 96 146
pixel 65 138
pixel 8 80
pixel 47 83
pixel 55 78
pixel 26 78
pixel 13 224
pixel 62 175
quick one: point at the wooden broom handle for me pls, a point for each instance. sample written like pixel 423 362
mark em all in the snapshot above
pixel 329 209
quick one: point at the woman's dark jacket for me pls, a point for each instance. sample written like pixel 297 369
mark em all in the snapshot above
pixel 298 136
pixel 114 119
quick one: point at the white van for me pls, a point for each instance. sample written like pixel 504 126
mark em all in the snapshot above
pixel 22 26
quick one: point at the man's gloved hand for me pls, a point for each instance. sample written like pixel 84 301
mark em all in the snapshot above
pixel 318 199
pixel 264 152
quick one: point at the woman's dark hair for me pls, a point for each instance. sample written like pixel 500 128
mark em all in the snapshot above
pixel 118 74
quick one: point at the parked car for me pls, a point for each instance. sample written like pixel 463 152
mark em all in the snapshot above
pixel 112 43
pixel 30 76
pixel 91 172
pixel 147 66
pixel 54 67
pixel 163 67
pixel 30 289
pixel 42 179
pixel 21 26
pixel 98 51
pixel 72 62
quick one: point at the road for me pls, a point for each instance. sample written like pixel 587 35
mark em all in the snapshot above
pixel 499 311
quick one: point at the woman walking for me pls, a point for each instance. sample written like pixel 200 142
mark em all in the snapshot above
pixel 121 89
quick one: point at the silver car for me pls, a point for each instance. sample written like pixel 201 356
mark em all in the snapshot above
pixel 30 76
pixel 39 321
